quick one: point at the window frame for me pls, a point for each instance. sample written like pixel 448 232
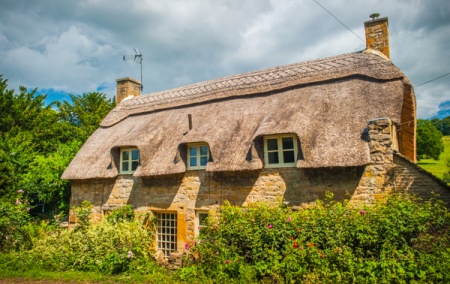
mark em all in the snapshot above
pixel 198 156
pixel 280 150
pixel 130 161
pixel 198 225
pixel 162 243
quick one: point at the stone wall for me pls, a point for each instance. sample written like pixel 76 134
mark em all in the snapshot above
pixel 409 177
pixel 199 190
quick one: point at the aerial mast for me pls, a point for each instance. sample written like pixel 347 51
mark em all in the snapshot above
pixel 138 58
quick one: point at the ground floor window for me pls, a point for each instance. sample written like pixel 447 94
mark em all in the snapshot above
pixel 166 232
pixel 201 220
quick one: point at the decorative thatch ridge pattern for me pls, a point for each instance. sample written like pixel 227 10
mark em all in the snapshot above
pixel 326 103
pixel 268 80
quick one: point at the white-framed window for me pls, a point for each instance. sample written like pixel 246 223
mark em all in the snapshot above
pixel 280 151
pixel 198 156
pixel 200 220
pixel 129 160
pixel 166 226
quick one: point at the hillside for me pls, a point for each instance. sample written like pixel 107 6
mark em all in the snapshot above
pixel 438 168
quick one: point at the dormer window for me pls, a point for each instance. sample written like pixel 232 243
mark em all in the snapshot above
pixel 129 160
pixel 198 156
pixel 280 151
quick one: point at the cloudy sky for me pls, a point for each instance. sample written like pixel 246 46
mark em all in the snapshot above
pixel 75 47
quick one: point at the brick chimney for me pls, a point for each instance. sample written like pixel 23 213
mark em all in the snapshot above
pixel 377 34
pixel 127 87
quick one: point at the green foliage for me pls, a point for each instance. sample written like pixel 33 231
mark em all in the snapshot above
pixel 125 213
pixel 446 175
pixel 85 112
pixel 443 125
pixel 105 248
pixel 429 140
pixel 37 142
pixel 14 218
pixel 83 214
pixel 400 240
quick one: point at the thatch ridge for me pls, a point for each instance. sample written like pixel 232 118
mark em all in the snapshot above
pixel 365 64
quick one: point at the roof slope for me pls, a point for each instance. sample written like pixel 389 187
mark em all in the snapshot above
pixel 325 102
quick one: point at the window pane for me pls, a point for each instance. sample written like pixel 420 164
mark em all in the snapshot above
pixel 134 165
pixel 203 150
pixel 135 155
pixel 202 219
pixel 193 151
pixel 288 157
pixel 273 158
pixel 193 162
pixel 203 161
pixel 125 155
pixel 288 143
pixel 272 144
pixel 125 167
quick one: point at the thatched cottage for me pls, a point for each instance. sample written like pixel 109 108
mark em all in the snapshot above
pixel 344 124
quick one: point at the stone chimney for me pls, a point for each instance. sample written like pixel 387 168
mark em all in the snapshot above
pixel 126 88
pixel 377 34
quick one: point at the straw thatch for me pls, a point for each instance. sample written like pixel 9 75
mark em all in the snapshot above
pixel 325 102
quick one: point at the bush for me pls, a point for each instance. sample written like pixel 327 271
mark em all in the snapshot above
pixel 106 248
pixel 400 240
pixel 13 220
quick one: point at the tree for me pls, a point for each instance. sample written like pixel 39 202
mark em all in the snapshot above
pixel 443 125
pixel 85 112
pixel 37 142
pixel 429 140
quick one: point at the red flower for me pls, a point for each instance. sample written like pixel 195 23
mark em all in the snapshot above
pixel 295 245
pixel 362 212
pixel 311 245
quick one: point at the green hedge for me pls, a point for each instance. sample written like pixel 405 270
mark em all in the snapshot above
pixel 400 240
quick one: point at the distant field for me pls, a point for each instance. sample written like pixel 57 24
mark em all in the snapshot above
pixel 438 168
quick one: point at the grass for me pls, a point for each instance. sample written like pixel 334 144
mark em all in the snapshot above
pixel 41 276
pixel 439 167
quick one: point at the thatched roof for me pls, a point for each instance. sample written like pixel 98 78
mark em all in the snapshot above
pixel 325 102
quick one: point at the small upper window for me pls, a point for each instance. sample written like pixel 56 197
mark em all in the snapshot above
pixel 198 156
pixel 280 151
pixel 129 160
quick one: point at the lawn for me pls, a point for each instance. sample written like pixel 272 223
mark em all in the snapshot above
pixel 438 168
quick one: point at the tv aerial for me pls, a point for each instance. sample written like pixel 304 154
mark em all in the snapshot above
pixel 137 57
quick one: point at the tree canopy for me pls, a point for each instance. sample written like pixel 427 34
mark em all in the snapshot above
pixel 38 140
pixel 443 125
pixel 429 140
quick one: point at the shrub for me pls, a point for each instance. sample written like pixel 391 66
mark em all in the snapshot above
pixel 399 240
pixel 13 220
pixel 105 247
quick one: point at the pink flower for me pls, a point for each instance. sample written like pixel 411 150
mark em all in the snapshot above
pixel 227 261
pixel 269 226
pixel 186 246
pixel 28 208
pixel 20 191
pixel 18 201
pixel 217 252
pixel 362 212
pixel 130 254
